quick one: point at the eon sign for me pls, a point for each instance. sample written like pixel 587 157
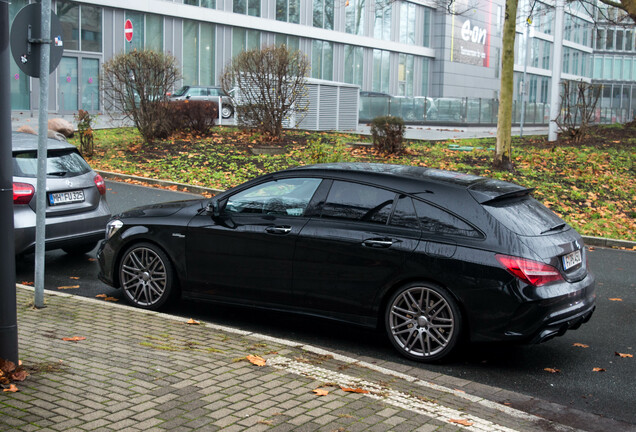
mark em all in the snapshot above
pixel 128 30
pixel 476 34
pixel 470 34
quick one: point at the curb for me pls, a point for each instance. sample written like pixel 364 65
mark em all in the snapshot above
pixel 589 240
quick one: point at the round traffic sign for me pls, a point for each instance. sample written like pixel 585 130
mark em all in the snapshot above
pixel 128 30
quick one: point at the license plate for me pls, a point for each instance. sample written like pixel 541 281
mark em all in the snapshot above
pixel 66 197
pixel 572 259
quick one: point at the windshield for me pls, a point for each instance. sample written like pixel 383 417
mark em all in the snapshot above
pixel 181 91
pixel 526 216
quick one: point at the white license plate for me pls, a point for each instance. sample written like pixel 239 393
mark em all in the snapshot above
pixel 66 197
pixel 571 259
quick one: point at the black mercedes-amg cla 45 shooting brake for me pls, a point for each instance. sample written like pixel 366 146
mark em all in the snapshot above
pixel 434 257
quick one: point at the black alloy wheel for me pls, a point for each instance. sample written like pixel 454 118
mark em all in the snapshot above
pixel 146 276
pixel 423 322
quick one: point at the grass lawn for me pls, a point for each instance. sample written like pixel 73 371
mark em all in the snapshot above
pixel 592 185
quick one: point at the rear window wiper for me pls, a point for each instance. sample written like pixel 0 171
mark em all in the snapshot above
pixel 57 173
pixel 554 228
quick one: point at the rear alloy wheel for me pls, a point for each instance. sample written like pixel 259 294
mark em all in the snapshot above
pixel 423 322
pixel 226 111
pixel 146 276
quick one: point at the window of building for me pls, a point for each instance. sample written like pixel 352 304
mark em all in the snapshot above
pixel 198 53
pixel 566 60
pixel 382 22
pixel 353 65
pixel 137 20
pixel 618 68
pixel 629 40
pixel 627 69
pixel 203 3
pixel 545 90
pixel 405 75
pixel 547 50
pixel 574 68
pixel 609 41
pixel 619 39
pixel 425 80
pixel 292 42
pixel 427 27
pixel 247 7
pixel 607 67
pixel 323 14
pixel 288 10
pixel 322 60
pixel 244 40
pixel 354 16
pixel 381 70
pixel 81 26
pixel 407 23
pixel 154 32
pixel 148 31
pixel 598 67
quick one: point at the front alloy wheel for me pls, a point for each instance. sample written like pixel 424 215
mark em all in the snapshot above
pixel 145 274
pixel 423 322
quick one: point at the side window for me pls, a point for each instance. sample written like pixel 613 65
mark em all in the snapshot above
pixel 438 221
pixel 286 197
pixel 354 201
pixel 404 214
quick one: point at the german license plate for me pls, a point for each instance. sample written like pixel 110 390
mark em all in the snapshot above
pixel 572 259
pixel 66 197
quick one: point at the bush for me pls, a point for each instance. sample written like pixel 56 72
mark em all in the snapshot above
pixel 85 131
pixel 325 151
pixel 387 133
pixel 196 117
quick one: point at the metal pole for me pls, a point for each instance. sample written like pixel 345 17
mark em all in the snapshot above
pixel 525 74
pixel 40 216
pixel 8 314
pixel 557 61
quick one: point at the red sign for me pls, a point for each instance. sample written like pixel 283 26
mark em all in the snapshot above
pixel 128 30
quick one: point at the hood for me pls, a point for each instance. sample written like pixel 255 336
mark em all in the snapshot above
pixel 162 209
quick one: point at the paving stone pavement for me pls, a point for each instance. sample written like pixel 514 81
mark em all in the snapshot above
pixel 145 371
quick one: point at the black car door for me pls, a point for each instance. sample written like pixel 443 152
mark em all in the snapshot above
pixel 351 251
pixel 245 254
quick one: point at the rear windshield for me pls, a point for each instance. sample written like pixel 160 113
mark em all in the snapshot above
pixel 59 163
pixel 526 216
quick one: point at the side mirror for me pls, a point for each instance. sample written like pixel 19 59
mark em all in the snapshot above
pixel 213 208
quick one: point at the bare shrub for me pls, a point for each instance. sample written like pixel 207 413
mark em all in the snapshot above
pixel 578 108
pixel 196 117
pixel 387 133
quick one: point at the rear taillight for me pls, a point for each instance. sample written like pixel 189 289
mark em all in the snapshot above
pixel 101 185
pixel 22 193
pixel 532 272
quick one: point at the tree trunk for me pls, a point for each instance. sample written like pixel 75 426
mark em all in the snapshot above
pixel 504 120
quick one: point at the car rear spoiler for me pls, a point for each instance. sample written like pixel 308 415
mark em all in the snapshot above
pixel 490 191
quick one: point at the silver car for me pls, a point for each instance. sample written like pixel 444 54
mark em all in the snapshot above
pixel 207 93
pixel 76 209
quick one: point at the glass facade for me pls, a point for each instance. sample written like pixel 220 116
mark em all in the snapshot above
pixel 354 16
pixel 322 60
pixel 288 10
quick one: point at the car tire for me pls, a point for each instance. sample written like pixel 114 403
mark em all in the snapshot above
pixel 227 111
pixel 423 322
pixel 80 249
pixel 146 276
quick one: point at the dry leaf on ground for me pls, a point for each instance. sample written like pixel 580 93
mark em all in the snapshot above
pixel 74 339
pixel 461 422
pixel 621 355
pixel 321 392
pixel 615 299
pixel 101 296
pixel 113 299
pixel 580 345
pixel 256 360
pixel 12 388
pixel 552 370
pixel 68 287
pixel 598 369
pixel 193 322
pixel 19 375
pixel 354 390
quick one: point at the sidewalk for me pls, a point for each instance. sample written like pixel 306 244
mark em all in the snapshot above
pixel 145 371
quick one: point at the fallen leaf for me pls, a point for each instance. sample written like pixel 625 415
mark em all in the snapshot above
pixel 74 277
pixel 552 370
pixel 92 259
pixel 19 375
pixel 256 360
pixel 27 283
pixel 461 422
pixel 193 322
pixel 321 392
pixel 621 355
pixel 580 345
pixel 354 390
pixel 68 287
pixel 113 299
pixel 6 366
pixel 12 388
pixel 101 296
pixel 615 299
pixel 598 370
pixel 74 339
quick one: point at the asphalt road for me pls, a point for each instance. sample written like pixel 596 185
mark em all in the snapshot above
pixel 611 393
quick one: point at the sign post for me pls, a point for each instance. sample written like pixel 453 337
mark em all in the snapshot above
pixel 38 55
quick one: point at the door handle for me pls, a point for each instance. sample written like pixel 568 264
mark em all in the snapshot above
pixel 378 243
pixel 284 229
